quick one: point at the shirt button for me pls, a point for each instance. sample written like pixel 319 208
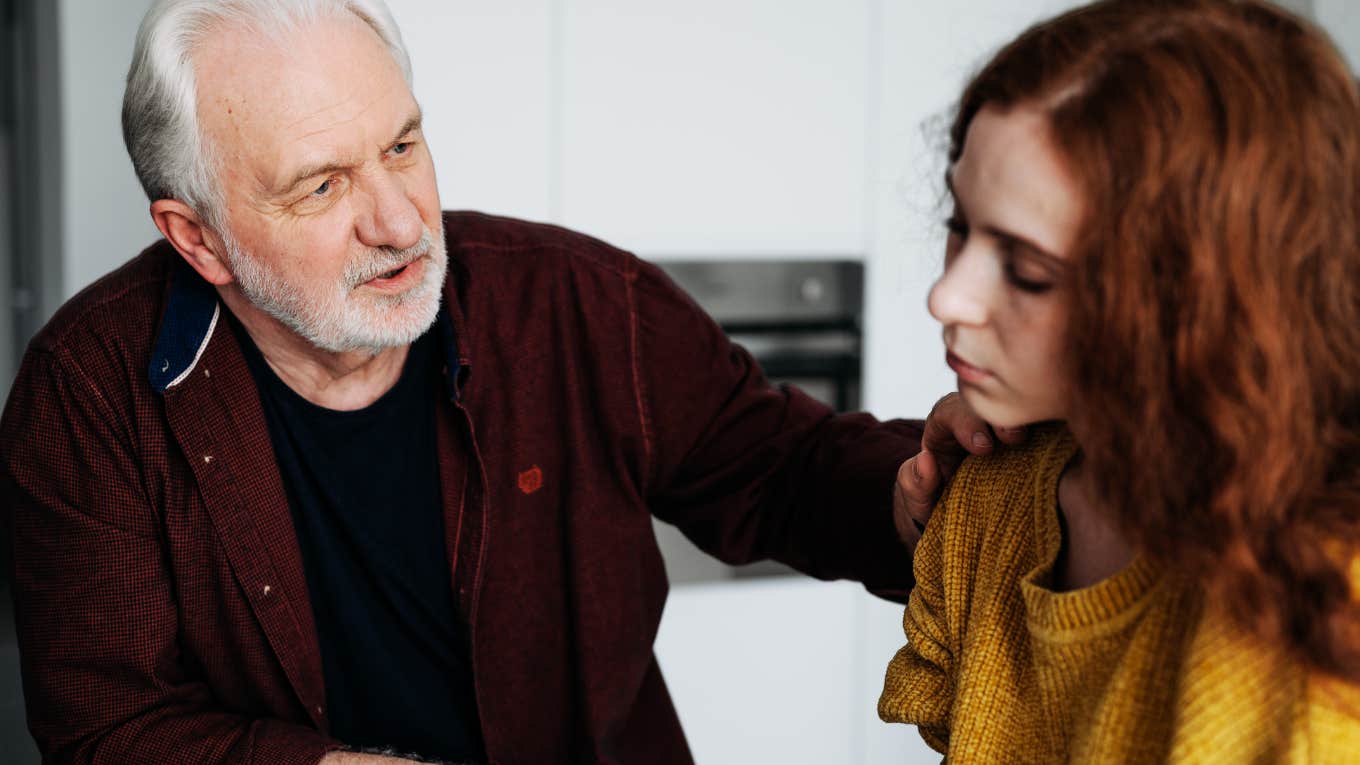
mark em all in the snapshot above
pixel 267 588
pixel 320 712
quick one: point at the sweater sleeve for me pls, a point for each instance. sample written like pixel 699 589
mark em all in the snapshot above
pixel 748 470
pixel 919 685
pixel 105 680
pixel 1332 724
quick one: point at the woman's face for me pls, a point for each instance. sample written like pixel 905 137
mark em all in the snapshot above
pixel 1003 296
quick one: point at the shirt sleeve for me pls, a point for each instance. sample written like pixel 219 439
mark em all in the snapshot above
pixel 96 618
pixel 919 685
pixel 748 470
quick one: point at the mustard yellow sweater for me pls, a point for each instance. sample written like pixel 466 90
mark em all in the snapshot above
pixel 1000 668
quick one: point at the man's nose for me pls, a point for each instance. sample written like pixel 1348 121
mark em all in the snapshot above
pixel 392 218
pixel 962 293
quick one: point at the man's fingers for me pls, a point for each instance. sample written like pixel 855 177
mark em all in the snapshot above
pixel 924 487
pixel 918 486
pixel 952 429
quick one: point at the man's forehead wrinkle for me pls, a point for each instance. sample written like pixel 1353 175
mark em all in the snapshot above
pixel 319 113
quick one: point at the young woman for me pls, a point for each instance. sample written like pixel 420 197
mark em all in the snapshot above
pixel 1155 248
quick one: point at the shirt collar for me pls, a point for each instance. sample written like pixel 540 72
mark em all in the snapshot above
pixel 192 315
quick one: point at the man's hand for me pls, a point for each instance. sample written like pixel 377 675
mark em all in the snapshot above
pixel 952 432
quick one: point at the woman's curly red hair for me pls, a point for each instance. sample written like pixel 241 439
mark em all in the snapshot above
pixel 1214 339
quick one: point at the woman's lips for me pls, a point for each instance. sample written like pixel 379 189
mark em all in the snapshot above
pixel 966 372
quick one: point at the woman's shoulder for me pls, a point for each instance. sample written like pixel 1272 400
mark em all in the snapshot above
pixel 1022 473
pixel 996 504
pixel 1333 718
pixel 1255 700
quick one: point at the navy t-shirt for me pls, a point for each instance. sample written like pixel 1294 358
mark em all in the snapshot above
pixel 363 489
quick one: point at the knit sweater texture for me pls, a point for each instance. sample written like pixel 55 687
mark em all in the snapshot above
pixel 1137 668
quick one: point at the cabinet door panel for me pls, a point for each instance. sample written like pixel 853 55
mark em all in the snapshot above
pixel 712 126
pixel 483 79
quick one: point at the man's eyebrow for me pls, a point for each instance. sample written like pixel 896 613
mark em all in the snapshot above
pixel 311 171
pixel 411 125
pixel 326 168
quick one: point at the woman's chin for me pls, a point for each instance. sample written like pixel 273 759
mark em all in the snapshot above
pixel 998 414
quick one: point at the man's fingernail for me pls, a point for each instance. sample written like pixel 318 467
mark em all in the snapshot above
pixel 981 441
pixel 915 471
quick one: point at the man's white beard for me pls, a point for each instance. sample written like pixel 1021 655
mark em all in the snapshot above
pixel 336 318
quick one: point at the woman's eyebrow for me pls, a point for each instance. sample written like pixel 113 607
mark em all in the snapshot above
pixel 1008 237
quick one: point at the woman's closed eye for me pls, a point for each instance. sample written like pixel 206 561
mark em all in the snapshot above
pixel 958 233
pixel 1023 270
pixel 1026 275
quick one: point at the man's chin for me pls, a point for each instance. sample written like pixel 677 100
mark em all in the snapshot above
pixel 391 325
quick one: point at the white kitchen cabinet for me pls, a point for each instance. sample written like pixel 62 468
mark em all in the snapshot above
pixel 483 76
pixel 715 127
pixel 784 669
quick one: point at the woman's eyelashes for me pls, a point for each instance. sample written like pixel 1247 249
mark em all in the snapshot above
pixel 1021 274
pixel 958 232
pixel 1022 281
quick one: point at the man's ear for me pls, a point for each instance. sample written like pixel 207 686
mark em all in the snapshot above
pixel 179 224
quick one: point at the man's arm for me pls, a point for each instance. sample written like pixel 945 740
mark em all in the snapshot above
pixel 748 471
pixel 96 616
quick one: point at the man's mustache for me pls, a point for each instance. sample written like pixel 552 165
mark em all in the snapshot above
pixel 380 260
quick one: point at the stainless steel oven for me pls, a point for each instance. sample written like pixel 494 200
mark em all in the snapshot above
pixel 801 320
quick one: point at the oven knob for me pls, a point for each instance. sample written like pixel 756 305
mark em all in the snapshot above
pixel 812 289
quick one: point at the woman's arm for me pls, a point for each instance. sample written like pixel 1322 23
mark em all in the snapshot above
pixel 919 686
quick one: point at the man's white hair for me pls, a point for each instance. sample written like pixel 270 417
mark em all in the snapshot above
pixel 160 106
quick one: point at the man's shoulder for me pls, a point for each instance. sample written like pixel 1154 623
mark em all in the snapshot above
pixel 480 240
pixel 121 308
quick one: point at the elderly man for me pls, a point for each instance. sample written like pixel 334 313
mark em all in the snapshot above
pixel 328 472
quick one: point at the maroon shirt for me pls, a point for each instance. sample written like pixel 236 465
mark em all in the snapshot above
pixel 160 599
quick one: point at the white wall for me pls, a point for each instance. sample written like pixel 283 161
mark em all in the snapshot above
pixel 1341 19
pixel 1302 7
pixel 106 220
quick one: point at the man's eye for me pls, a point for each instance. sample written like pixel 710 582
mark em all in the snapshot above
pixel 323 189
pixel 401 148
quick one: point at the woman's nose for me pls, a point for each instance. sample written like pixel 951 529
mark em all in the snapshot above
pixel 961 294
